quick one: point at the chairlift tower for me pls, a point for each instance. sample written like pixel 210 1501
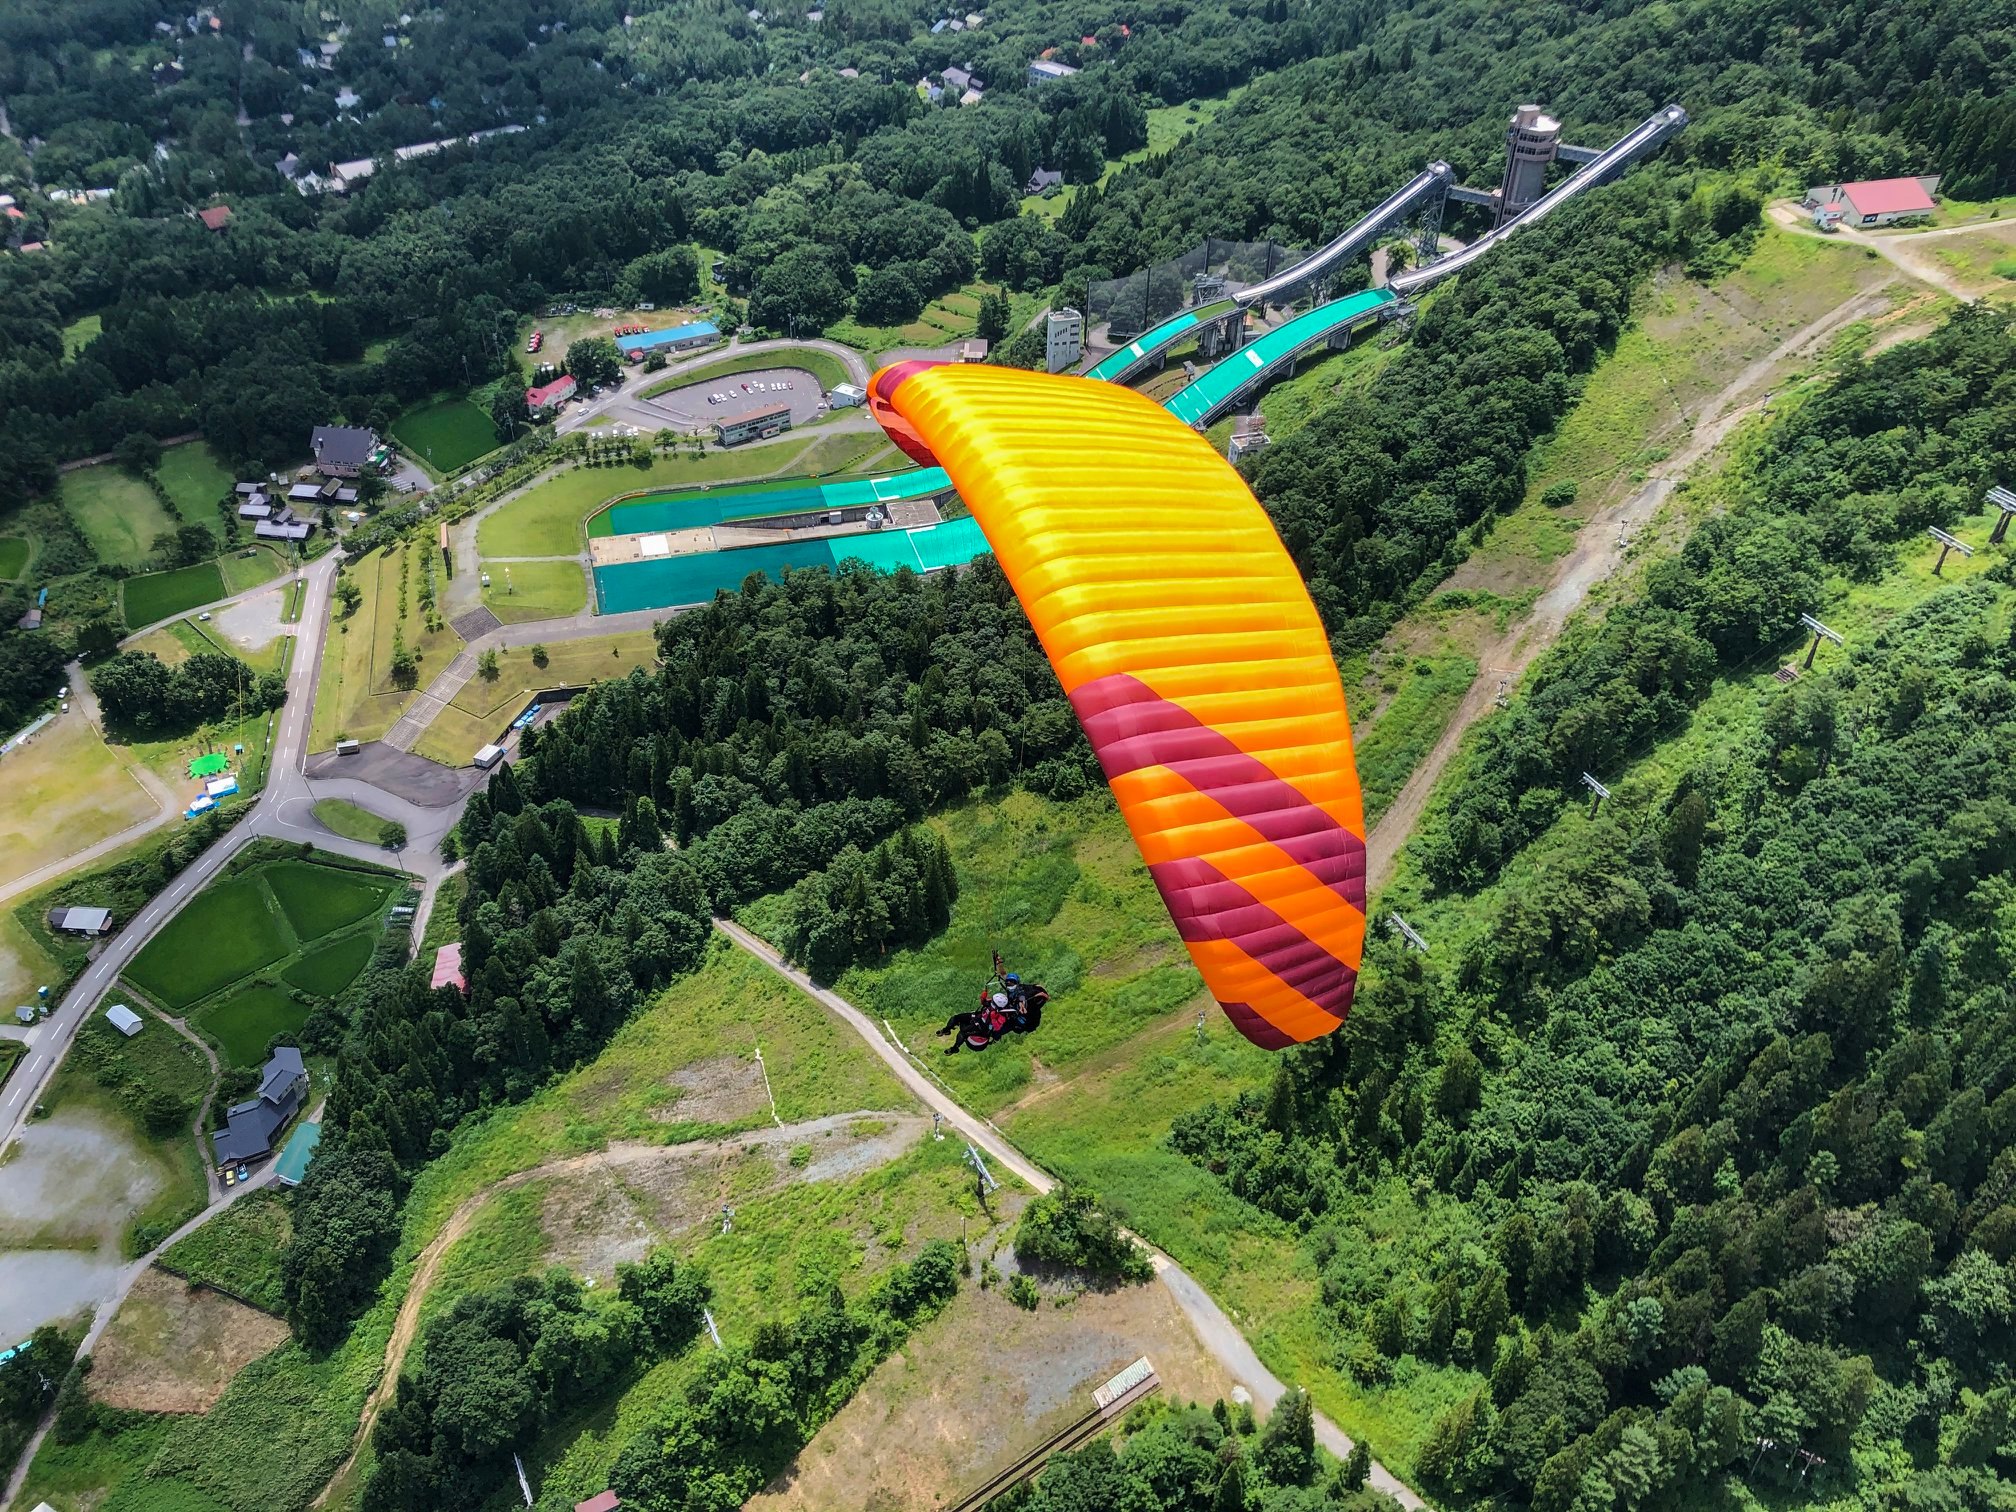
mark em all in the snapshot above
pixel 1947 543
pixel 1597 791
pixel 1820 633
pixel 1406 932
pixel 987 1182
pixel 2005 501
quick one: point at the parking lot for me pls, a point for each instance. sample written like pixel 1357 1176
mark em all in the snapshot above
pixel 697 406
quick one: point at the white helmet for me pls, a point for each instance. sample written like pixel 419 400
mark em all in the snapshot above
pixel 1000 1000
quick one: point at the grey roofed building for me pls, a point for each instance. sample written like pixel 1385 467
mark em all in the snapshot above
pixel 81 920
pixel 342 450
pixel 250 1125
pixel 283 530
pixel 1043 178
pixel 255 508
pixel 248 488
pixel 956 78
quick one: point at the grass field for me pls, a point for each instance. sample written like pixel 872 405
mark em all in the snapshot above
pixel 349 820
pixel 354 693
pixel 1407 725
pixel 116 512
pixel 14 555
pixel 1060 891
pixel 195 480
pixel 547 520
pixel 481 709
pixel 319 900
pixel 238 1251
pixel 65 789
pixel 328 969
pixel 946 319
pixel 228 930
pixel 81 332
pixel 243 1023
pixel 24 964
pixel 446 435
pixel 251 566
pixel 443 925
pixel 535 590
pixel 827 369
pixel 158 595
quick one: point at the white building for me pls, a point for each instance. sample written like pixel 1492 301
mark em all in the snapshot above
pixel 1064 339
pixel 124 1019
pixel 846 396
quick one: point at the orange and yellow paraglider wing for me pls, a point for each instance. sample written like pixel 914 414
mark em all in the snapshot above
pixel 1196 662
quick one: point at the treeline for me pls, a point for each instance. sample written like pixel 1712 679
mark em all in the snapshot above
pixel 791 720
pixel 751 1407
pixel 140 692
pixel 899 893
pixel 1181 1458
pixel 1823 496
pixel 1710 1123
pixel 502 1363
pixel 563 935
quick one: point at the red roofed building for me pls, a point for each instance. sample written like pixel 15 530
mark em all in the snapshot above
pixel 217 217
pixel 448 968
pixel 1876 202
pixel 548 395
pixel 604 1501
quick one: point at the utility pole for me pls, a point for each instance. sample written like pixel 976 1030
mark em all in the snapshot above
pixel 1947 543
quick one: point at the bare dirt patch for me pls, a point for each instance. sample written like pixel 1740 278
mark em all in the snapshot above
pixel 912 1436
pixel 174 1347
pixel 723 1090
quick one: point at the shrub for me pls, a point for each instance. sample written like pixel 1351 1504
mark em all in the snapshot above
pixel 1069 1227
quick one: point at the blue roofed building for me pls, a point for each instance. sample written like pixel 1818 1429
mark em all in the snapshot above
pixel 251 1125
pixel 674 338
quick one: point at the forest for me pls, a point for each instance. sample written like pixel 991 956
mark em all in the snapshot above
pixel 1713 1123
pixel 818 192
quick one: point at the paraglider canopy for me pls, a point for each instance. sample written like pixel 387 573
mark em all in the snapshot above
pixel 1195 660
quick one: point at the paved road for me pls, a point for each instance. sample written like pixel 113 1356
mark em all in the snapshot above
pixel 1217 1332
pixel 283 811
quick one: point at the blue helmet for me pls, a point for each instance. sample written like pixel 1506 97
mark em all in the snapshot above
pixel 1011 979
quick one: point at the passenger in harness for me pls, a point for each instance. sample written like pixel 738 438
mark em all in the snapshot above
pixel 1008 1005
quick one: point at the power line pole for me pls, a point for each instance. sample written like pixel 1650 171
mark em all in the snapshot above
pixel 1597 791
pixel 1406 932
pixel 2005 501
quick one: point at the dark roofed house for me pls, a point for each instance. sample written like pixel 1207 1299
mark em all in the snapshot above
pixel 251 1125
pixel 248 488
pixel 956 78
pixel 342 450
pixel 1043 178
pixel 217 217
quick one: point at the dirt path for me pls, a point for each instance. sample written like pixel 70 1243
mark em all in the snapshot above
pixel 1217 1331
pixel 427 1270
pixel 181 1027
pixel 1600 549
pixel 1899 249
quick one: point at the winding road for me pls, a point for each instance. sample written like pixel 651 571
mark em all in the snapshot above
pixel 1218 1333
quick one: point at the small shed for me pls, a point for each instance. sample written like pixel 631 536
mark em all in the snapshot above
pixel 84 921
pixel 601 1501
pixel 124 1019
pixel 24 1015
